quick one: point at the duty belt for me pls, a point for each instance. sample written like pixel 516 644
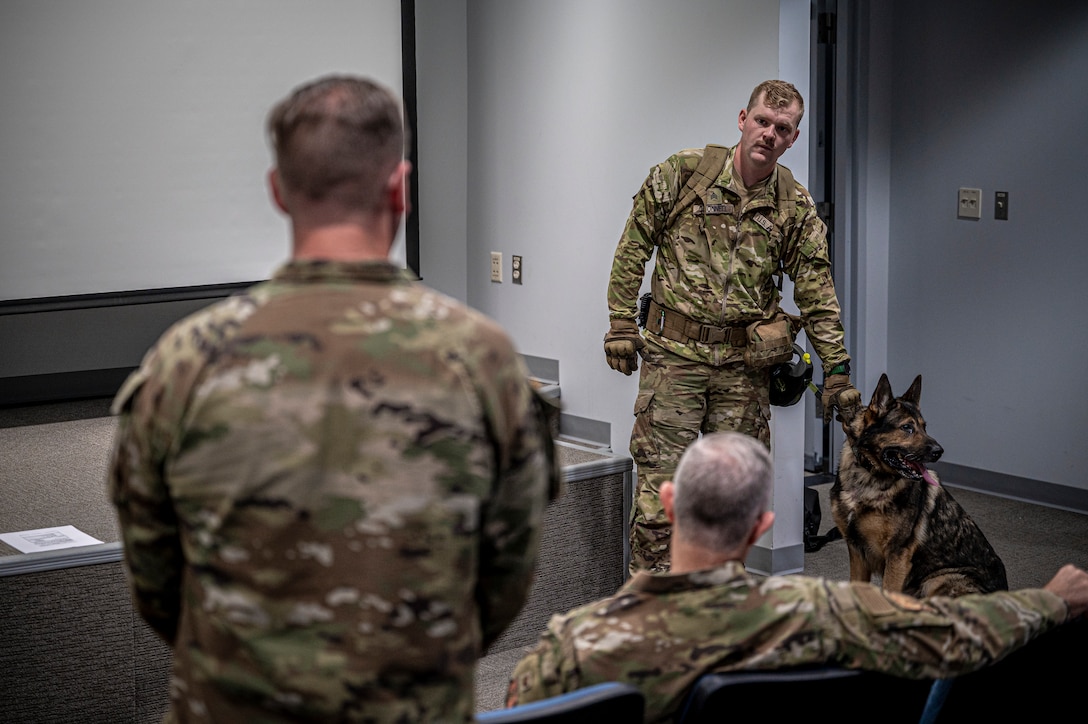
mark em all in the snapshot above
pixel 675 326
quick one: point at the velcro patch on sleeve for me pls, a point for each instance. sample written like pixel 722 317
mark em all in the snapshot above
pixel 880 603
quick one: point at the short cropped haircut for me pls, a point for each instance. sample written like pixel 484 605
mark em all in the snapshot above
pixel 723 483
pixel 779 94
pixel 338 138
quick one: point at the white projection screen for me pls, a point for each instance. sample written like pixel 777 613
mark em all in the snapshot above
pixel 132 147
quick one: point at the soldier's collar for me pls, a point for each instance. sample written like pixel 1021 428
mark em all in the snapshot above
pixel 318 270
pixel 672 582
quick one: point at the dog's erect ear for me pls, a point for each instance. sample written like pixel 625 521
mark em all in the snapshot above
pixel 915 392
pixel 882 397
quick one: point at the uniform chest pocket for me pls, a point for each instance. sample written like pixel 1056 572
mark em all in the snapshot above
pixel 757 253
pixel 690 243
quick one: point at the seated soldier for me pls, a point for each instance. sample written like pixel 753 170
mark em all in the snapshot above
pixel 661 632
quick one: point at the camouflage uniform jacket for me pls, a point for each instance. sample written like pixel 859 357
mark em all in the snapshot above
pixel 662 632
pixel 717 268
pixel 330 491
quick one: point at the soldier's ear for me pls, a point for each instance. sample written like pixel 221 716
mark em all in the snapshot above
pixel 396 187
pixel 667 493
pixel 275 187
pixel 763 524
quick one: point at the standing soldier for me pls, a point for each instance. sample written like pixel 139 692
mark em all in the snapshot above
pixel 331 487
pixel 726 223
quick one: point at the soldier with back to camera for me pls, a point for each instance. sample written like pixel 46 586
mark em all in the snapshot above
pixel 331 486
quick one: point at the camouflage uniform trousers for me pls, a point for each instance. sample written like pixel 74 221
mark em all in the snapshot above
pixel 677 400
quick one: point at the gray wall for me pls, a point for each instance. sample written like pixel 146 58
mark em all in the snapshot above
pixel 442 134
pixel 990 95
pixel 557 148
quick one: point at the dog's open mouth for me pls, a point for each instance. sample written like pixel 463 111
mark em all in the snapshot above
pixel 909 466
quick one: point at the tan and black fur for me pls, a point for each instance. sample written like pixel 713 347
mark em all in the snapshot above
pixel 898 521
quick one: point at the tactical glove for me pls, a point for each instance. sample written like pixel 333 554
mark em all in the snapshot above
pixel 838 392
pixel 621 345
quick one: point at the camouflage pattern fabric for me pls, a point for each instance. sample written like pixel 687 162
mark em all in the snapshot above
pixel 678 399
pixel 715 264
pixel 330 491
pixel 717 268
pixel 662 632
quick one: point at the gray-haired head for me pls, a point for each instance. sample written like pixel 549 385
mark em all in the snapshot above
pixel 723 484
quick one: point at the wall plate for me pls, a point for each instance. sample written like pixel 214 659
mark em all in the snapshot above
pixel 970 204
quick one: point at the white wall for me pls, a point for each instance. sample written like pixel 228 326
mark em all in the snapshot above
pixel 570 104
pixel 133 151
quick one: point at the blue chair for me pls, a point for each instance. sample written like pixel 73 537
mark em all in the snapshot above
pixel 811 694
pixel 597 704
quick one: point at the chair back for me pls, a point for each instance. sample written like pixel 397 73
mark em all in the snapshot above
pixel 598 704
pixel 822 694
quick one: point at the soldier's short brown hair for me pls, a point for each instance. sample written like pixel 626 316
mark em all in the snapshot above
pixel 338 138
pixel 777 94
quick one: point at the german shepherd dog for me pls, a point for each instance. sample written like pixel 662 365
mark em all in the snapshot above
pixel 896 517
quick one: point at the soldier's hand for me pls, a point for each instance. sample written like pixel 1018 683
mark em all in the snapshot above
pixel 1071 583
pixel 621 345
pixel 840 394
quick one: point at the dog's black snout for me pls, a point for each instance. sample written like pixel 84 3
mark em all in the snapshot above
pixel 934 451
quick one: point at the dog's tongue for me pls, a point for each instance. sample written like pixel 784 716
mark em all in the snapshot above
pixel 928 477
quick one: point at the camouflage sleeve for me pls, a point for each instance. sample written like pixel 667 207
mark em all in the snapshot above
pixel 547 670
pixel 527 480
pixel 937 637
pixel 149 407
pixel 651 207
pixel 807 262
pixel 147 521
pixel 149 528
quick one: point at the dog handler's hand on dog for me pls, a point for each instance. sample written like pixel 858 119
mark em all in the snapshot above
pixel 1071 583
pixel 838 392
pixel 621 345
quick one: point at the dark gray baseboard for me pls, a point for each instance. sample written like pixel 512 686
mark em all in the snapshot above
pixel 61 386
pixel 1013 487
pixel 1002 485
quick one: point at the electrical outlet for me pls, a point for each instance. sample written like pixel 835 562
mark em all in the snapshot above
pixel 515 269
pixel 496 266
pixel 970 204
